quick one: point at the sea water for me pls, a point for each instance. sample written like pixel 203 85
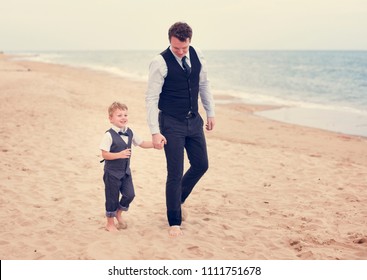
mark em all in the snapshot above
pixel 322 89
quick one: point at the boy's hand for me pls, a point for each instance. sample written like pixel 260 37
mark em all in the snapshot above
pixel 125 153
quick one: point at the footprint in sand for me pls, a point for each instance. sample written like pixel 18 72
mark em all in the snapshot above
pixel 360 240
pixel 296 245
pixel 226 227
pixel 198 252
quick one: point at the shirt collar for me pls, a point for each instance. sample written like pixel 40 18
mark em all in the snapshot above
pixel 177 58
pixel 117 129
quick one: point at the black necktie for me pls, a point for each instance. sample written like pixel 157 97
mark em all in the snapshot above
pixel 185 66
pixel 123 133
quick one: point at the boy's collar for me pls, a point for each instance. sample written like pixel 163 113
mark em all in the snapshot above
pixel 117 129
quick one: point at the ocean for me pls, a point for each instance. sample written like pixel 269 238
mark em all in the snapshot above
pixel 322 89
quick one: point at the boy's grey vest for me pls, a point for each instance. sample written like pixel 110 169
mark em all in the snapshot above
pixel 119 167
pixel 180 93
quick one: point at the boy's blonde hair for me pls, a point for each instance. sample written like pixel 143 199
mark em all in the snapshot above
pixel 116 105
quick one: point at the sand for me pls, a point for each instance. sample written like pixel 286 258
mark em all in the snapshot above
pixel 273 191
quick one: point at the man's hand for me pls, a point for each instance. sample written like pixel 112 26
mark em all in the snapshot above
pixel 158 141
pixel 210 123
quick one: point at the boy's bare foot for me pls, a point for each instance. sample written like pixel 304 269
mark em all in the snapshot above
pixel 175 231
pixel 122 225
pixel 111 228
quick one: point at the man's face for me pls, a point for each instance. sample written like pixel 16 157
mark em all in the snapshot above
pixel 180 48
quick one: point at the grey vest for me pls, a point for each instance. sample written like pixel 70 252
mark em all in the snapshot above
pixel 119 167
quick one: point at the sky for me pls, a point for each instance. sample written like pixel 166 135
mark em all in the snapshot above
pixel 143 24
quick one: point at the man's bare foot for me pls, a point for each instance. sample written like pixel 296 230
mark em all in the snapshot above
pixel 184 214
pixel 175 231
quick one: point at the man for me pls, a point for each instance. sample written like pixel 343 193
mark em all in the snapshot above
pixel 177 77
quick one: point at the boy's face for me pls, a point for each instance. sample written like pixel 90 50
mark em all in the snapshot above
pixel 119 118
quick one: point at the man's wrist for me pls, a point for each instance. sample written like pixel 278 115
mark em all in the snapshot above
pixel 155 132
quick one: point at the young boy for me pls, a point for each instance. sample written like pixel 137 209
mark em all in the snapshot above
pixel 116 152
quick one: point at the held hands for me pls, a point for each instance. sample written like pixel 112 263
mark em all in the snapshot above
pixel 125 153
pixel 158 141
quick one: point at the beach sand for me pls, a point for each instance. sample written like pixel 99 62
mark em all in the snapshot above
pixel 273 190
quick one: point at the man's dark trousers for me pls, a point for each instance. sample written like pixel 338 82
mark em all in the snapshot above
pixel 181 135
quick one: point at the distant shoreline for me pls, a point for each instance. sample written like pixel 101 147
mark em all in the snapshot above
pixel 342 122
